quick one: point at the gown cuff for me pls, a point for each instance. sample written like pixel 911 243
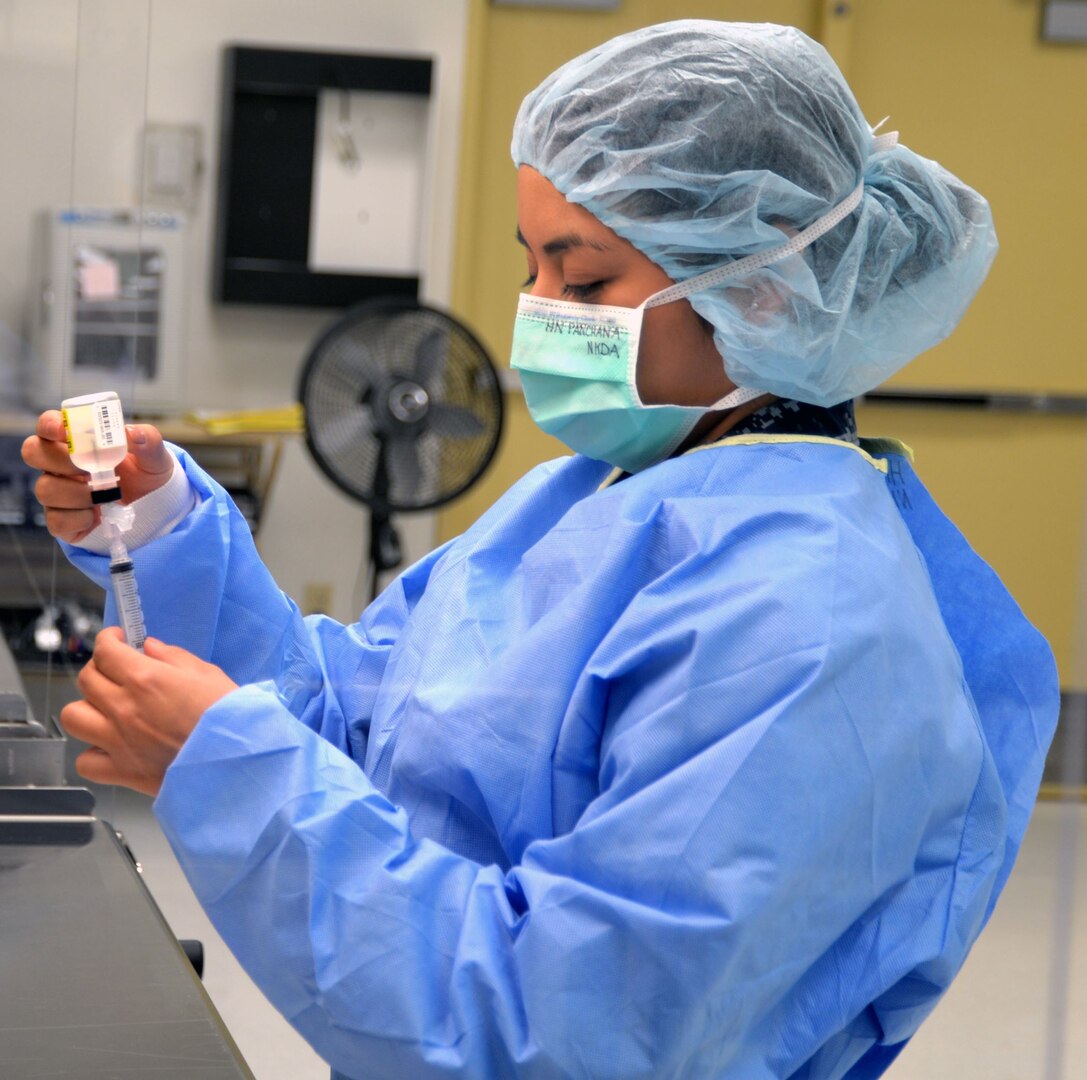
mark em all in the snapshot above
pixel 157 513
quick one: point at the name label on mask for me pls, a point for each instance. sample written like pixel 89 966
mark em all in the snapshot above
pixel 581 329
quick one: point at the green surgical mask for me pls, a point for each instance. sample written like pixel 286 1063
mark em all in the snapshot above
pixel 578 363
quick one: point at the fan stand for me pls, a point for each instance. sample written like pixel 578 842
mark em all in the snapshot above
pixel 385 551
pixel 387 374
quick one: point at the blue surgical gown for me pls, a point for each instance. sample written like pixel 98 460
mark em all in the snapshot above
pixel 713 772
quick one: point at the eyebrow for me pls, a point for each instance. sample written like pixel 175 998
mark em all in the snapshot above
pixel 566 243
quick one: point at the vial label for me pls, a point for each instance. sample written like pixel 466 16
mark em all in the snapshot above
pixel 95 427
pixel 68 430
pixel 108 423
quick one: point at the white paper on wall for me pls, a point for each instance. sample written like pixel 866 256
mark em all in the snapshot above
pixel 369 157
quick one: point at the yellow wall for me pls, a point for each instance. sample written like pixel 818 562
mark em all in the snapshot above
pixel 970 84
pixel 967 83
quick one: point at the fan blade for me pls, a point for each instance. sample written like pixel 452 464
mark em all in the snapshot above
pixel 405 471
pixel 349 429
pixel 338 386
pixel 430 355
pixel 355 360
pixel 455 421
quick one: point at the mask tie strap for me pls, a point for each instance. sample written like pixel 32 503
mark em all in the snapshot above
pixel 793 246
pixel 736 397
pixel 760 259
pixel 745 265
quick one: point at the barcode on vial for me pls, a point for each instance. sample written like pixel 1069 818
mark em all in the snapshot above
pixel 107 424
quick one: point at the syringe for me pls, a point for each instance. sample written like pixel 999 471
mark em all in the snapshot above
pixel 117 520
pixel 96 441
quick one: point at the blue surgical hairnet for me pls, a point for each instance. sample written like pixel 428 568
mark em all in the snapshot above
pixel 701 142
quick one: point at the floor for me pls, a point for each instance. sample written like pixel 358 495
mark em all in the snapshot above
pixel 1018 1010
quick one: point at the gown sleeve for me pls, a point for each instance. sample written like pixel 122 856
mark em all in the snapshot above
pixel 204 587
pixel 786 766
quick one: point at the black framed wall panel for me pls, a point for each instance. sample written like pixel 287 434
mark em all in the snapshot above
pixel 270 101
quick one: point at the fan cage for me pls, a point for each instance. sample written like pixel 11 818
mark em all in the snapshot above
pixel 344 388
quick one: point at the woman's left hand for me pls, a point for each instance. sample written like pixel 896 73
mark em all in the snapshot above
pixel 138 709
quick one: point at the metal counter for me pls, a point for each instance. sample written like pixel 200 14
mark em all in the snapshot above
pixel 93 983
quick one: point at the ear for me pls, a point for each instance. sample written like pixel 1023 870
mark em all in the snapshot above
pixel 756 301
pixel 766 298
pixel 764 303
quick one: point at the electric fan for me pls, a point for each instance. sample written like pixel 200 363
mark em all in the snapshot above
pixel 403 412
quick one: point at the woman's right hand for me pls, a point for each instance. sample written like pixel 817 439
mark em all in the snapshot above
pixel 62 489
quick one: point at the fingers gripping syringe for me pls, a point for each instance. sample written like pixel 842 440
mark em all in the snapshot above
pixel 97 444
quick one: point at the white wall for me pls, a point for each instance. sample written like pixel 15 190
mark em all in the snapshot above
pixel 78 81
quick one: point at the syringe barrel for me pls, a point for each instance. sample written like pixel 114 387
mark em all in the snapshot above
pixel 127 597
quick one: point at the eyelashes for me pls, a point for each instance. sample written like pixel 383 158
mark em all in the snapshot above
pixel 583 292
pixel 578 292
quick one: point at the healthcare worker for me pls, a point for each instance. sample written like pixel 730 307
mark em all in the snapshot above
pixel 706 751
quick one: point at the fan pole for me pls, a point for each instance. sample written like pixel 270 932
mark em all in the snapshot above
pixel 385 552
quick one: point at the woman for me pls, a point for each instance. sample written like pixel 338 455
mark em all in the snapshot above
pixel 703 753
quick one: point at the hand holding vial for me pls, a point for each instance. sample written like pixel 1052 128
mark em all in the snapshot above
pixel 137 708
pixel 63 489
pixel 97 445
